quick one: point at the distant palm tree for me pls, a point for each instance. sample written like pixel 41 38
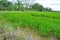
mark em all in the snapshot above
pixel 18 5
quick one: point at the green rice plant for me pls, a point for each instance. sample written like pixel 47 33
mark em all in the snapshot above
pixel 46 23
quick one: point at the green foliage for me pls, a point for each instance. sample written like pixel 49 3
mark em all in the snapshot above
pixel 47 9
pixel 46 23
pixel 37 7
pixel 6 5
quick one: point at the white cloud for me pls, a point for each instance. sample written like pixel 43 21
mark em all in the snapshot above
pixel 9 0
pixel 54 4
pixel 12 0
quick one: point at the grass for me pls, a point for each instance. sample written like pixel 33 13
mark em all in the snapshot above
pixel 46 23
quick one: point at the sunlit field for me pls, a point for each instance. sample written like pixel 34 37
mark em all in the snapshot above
pixel 44 23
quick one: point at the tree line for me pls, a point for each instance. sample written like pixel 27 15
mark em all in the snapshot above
pixel 6 5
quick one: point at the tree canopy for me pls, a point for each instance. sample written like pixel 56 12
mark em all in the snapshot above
pixel 22 5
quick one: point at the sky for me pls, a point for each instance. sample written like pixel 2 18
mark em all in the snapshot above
pixel 54 4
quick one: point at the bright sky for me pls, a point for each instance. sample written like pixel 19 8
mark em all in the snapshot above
pixel 54 4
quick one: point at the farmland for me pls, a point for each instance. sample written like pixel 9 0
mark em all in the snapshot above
pixel 45 23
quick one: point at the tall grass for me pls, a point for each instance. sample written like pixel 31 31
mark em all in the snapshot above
pixel 46 23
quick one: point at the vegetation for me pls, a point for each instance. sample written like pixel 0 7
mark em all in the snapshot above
pixel 27 15
pixel 6 5
pixel 45 23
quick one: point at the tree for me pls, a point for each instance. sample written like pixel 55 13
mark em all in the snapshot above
pixel 22 5
pixel 5 5
pixel 37 7
pixel 18 5
pixel 2 4
pixel 9 6
pixel 26 3
pixel 15 6
pixel 47 9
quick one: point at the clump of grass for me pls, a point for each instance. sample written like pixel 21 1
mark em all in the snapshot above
pixel 45 23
